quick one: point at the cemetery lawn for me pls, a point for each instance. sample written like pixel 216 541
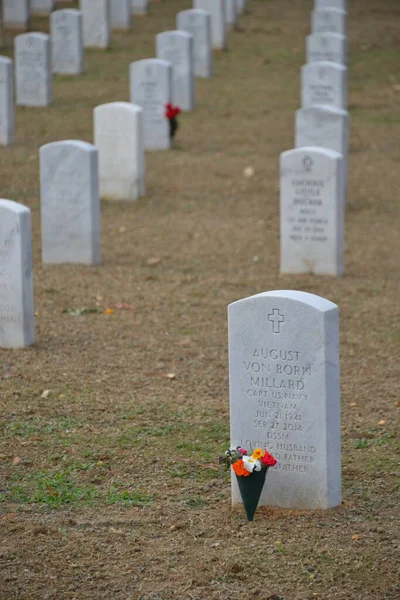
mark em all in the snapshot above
pixel 112 423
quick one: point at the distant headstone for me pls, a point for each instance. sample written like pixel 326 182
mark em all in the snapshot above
pixel 69 203
pixel 230 13
pixel 16 14
pixel 341 4
pixel 96 23
pixel 6 101
pixel 121 14
pixel 329 20
pixel 177 48
pixel 42 7
pixel 284 385
pixel 119 138
pixel 312 211
pixel 331 47
pixel 241 6
pixel 216 9
pixel 324 127
pixel 197 22
pixel 324 83
pixel 151 88
pixel 67 51
pixel 17 326
pixel 139 7
pixel 32 69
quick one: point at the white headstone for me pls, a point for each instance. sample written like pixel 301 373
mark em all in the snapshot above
pixel 324 83
pixel 197 22
pixel 139 7
pixel 177 48
pixel 312 211
pixel 119 138
pixel 16 14
pixel 284 383
pixel 341 4
pixel 69 203
pixel 121 14
pixel 6 101
pixel 241 6
pixel 32 69
pixel 96 23
pixel 151 88
pixel 230 13
pixel 216 9
pixel 331 47
pixel 67 51
pixel 42 7
pixel 329 20
pixel 324 127
pixel 16 283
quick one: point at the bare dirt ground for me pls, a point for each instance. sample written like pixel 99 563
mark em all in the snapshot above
pixel 110 487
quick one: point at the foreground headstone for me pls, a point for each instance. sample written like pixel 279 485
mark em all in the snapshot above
pixel 341 4
pixel 176 47
pixel 96 23
pixel 32 69
pixel 16 14
pixel 216 9
pixel 42 7
pixel 67 51
pixel 284 379
pixel 197 22
pixel 6 101
pixel 69 203
pixel 230 13
pixel 121 14
pixel 324 83
pixel 150 83
pixel 312 211
pixel 119 138
pixel 16 282
pixel 139 7
pixel 324 127
pixel 331 47
pixel 329 20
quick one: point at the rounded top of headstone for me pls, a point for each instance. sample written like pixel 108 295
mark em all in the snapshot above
pixel 4 60
pixel 32 35
pixel 317 302
pixel 119 106
pixel 176 33
pixel 12 206
pixel 78 144
pixel 151 62
pixel 194 11
pixel 313 150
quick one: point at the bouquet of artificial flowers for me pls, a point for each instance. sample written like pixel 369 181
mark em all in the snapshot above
pixel 250 471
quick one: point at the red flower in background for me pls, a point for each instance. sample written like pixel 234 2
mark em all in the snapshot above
pixel 172 111
pixel 268 460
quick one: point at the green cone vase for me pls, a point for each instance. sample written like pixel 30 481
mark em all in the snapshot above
pixel 250 489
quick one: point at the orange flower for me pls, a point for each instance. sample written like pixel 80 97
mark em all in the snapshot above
pixel 239 469
pixel 258 452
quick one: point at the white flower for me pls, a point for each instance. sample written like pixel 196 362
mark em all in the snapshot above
pixel 251 464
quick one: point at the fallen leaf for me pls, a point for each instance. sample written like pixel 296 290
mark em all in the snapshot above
pixel 397 403
pixel 117 531
pixel 16 460
pixel 99 298
pixel 354 538
pixel 171 376
pixel 248 172
pixel 152 262
pixel 109 311
pixel 45 394
pixel 353 404
pixel 122 229
pixel 382 422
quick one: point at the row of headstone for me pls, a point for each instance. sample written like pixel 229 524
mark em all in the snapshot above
pixel 118 13
pixel 314 176
pixel 284 373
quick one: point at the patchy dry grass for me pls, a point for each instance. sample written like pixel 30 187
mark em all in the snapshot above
pixel 109 483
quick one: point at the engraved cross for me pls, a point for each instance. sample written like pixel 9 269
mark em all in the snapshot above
pixel 276 319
